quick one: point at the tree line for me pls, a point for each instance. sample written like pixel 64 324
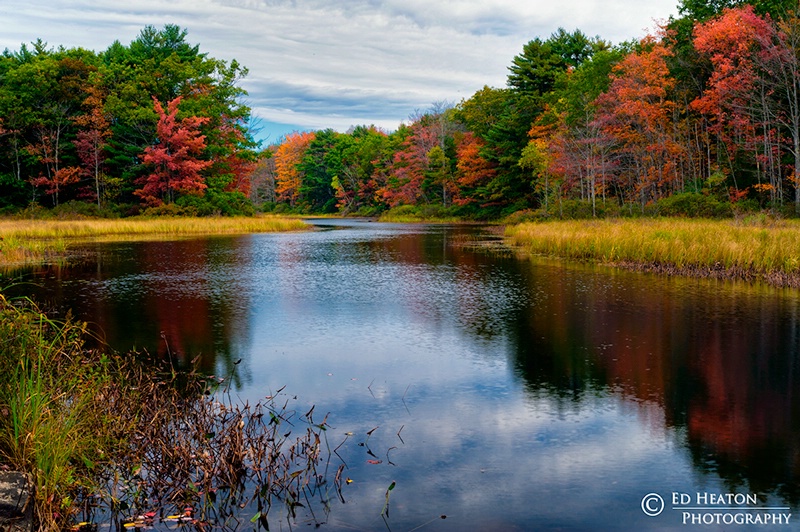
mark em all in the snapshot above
pixel 141 125
pixel 701 117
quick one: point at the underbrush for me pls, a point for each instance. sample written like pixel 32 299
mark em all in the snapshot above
pixel 420 213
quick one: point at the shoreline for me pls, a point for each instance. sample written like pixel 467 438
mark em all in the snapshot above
pixel 718 272
pixel 767 252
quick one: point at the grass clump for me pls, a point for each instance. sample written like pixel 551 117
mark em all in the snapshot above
pixel 58 421
pixel 766 249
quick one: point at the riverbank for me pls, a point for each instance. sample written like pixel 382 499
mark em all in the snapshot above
pixel 753 250
pixel 34 241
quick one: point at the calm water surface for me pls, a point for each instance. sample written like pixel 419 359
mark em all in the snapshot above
pixel 507 394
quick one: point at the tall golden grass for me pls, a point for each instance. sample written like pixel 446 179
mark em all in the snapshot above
pixel 27 241
pixel 727 248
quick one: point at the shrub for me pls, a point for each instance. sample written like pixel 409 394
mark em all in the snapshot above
pixel 13 192
pixel 694 205
pixel 170 209
pixel 215 203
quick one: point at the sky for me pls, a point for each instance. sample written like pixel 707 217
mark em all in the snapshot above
pixel 316 64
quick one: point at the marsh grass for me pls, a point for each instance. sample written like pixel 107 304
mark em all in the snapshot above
pixel 749 249
pixel 113 438
pixel 27 241
pixel 56 422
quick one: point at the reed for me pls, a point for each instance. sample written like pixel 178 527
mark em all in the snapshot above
pixel 769 250
pixel 28 241
pixel 55 420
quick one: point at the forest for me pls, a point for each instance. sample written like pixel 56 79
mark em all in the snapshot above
pixel 701 118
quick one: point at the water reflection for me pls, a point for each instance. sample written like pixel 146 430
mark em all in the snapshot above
pixel 721 361
pixel 507 394
pixel 177 299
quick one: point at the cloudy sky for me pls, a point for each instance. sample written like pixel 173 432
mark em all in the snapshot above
pixel 326 63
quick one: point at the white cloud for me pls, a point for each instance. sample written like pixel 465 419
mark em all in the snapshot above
pixel 321 63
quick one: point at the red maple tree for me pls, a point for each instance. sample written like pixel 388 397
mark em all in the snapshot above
pixel 175 158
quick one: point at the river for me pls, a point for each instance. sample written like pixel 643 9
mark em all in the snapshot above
pixel 504 393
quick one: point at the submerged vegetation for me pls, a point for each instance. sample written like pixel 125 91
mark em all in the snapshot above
pixel 751 248
pixel 103 438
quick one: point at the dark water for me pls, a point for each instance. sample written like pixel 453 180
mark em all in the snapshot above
pixel 508 394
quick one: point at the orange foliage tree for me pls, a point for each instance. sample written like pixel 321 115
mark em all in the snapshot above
pixel 288 178
pixel 473 170
pixel 732 101
pixel 636 113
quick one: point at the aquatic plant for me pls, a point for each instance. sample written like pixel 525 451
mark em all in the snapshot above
pixel 111 438
pixel 58 421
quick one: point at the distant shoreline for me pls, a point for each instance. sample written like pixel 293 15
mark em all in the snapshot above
pixel 25 242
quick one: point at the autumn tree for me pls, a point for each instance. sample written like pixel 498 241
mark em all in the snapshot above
pixel 637 113
pixel 175 159
pixel 567 146
pixel 730 101
pixel 422 167
pixel 473 169
pixel 162 63
pixel 92 137
pixel 288 156
pixel 56 82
